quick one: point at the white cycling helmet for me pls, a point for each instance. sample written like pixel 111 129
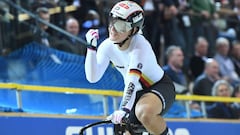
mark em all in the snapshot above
pixel 126 15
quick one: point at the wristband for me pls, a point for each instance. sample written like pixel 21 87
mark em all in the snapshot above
pixel 126 110
pixel 91 47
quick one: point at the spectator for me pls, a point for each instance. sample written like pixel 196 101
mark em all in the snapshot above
pixel 197 61
pixel 69 44
pixel 92 21
pixel 72 26
pixel 203 13
pixel 235 51
pixel 227 69
pixel 41 3
pixel 153 29
pixel 204 83
pixel 171 28
pixel 185 26
pixel 5 26
pixel 236 94
pixel 41 32
pixel 220 109
pixel 174 66
pixel 43 35
pixel 173 69
pixel 233 19
pixel 83 6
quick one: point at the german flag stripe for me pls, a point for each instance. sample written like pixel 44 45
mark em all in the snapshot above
pixel 135 72
pixel 145 81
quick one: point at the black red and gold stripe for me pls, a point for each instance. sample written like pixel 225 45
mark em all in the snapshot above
pixel 144 80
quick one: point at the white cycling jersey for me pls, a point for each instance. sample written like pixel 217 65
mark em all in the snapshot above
pixel 137 64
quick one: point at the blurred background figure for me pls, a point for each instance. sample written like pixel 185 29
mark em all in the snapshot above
pixel 4 26
pixel 220 109
pixel 236 94
pixel 203 13
pixel 35 4
pixel 152 30
pixel 204 82
pixel 226 66
pixel 92 21
pixel 233 19
pixel 45 36
pixel 197 61
pixel 42 32
pixel 70 44
pixel 174 67
pixel 171 30
pixel 72 26
pixel 83 7
pixel 235 56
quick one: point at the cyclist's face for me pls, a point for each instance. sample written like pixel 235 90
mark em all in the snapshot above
pixel 120 26
pixel 118 30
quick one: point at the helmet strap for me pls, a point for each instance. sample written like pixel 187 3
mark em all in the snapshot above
pixel 120 44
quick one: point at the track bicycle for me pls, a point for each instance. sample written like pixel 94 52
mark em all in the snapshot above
pixel 119 129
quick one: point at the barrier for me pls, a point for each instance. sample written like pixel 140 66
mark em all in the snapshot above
pixel 21 87
pixel 35 124
pixel 105 95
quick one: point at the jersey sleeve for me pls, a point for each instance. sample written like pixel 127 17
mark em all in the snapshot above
pixel 96 63
pixel 132 84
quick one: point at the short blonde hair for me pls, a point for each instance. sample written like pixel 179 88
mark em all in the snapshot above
pixel 221 82
pixel 222 41
pixel 170 50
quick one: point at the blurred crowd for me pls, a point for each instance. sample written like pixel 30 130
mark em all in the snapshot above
pixel 197 42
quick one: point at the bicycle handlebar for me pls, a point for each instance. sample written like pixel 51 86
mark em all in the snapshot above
pixel 135 129
pixel 94 124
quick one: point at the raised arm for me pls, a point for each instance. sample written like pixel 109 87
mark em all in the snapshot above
pixel 96 61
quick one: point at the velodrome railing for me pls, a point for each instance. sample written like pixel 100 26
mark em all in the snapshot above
pixel 18 88
pixel 52 11
pixel 26 15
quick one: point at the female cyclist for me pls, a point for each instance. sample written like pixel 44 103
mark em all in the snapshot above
pixel 148 92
